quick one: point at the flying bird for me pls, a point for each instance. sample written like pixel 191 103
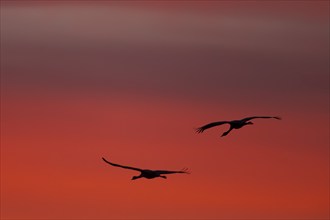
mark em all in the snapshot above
pixel 149 174
pixel 235 124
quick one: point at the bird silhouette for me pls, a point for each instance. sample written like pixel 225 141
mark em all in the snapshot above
pixel 234 124
pixel 149 174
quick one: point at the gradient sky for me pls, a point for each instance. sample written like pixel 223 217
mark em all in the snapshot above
pixel 130 82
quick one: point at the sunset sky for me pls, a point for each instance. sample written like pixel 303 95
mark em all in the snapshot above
pixel 130 81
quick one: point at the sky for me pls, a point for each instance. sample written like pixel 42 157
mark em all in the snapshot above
pixel 130 81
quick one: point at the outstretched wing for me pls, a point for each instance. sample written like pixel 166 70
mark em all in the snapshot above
pixel 184 170
pixel 210 125
pixel 250 118
pixel 125 167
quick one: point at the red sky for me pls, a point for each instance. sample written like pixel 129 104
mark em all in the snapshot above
pixel 130 82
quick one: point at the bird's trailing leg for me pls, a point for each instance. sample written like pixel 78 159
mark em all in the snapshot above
pixel 136 177
pixel 227 132
pixel 163 177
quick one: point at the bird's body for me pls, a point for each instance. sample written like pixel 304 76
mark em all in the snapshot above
pixel 234 124
pixel 148 174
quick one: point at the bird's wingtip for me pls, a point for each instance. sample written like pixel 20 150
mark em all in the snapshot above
pixel 185 170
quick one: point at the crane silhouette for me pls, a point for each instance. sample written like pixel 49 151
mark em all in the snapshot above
pixel 234 124
pixel 149 174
